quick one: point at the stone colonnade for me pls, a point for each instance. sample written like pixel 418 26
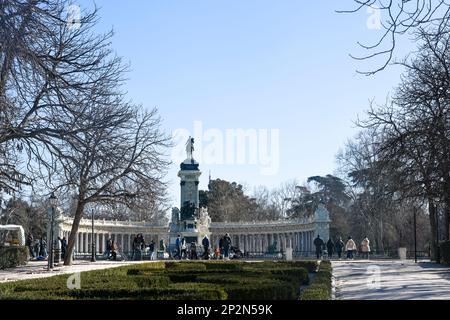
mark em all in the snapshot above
pixel 301 241
pixel 250 237
pixel 123 232
pixel 259 236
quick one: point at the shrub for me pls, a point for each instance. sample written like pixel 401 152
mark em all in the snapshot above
pixel 297 275
pixel 234 266
pixel 185 266
pixel 173 281
pixel 311 266
pixel 182 277
pixel 320 289
pixel 316 292
pixel 145 268
pixel 11 257
pixel 151 282
pixel 268 290
pixel 445 252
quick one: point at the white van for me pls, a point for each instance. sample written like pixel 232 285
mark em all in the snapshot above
pixel 12 235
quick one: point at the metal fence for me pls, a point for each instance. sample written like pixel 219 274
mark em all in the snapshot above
pixel 257 255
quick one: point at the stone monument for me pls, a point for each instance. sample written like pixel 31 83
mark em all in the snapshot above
pixel 189 221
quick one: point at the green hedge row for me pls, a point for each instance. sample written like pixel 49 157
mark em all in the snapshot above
pixel 11 257
pixel 321 287
pixel 172 280
pixel 125 294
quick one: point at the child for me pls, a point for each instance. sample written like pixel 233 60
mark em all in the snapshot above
pixel 216 253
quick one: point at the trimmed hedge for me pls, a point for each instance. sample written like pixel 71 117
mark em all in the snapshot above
pixel 268 290
pixel 185 266
pixel 11 257
pixel 320 289
pixel 445 252
pixel 234 266
pixel 172 281
pixel 311 266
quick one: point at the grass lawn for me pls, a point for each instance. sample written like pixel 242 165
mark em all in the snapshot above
pixel 222 280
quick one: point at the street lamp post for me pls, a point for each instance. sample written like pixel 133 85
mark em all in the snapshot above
pixel 438 253
pixel 415 235
pixel 92 238
pixel 52 201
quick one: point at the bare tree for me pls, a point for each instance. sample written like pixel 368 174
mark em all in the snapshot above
pixel 414 128
pixel 399 17
pixel 48 68
pixel 120 161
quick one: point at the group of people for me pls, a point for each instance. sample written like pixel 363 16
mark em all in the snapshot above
pixel 111 249
pixel 140 247
pixel 38 247
pixel 340 247
pixel 223 251
pixel 183 251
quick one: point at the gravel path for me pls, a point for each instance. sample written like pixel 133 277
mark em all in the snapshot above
pixel 37 269
pixel 391 280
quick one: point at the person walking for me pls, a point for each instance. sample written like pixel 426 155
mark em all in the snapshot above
pixel 141 245
pixel 318 243
pixel 205 243
pixel 184 253
pixel 227 246
pixel 339 247
pixel 63 247
pixel 152 250
pixel 178 248
pixel 193 251
pixel 37 249
pixel 221 247
pixel 330 248
pixel 350 247
pixel 365 248
pixel 114 250
pixel 29 244
pixel 43 248
pixel 108 248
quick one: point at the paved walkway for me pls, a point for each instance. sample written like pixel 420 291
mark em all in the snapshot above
pixel 37 269
pixel 398 280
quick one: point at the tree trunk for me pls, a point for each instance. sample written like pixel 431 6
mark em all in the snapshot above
pixel 73 233
pixel 432 211
pixel 447 220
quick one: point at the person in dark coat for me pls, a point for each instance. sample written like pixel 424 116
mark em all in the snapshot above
pixel 227 246
pixel 318 243
pixel 63 247
pixel 108 248
pixel 178 248
pixel 339 247
pixel 330 248
pixel 221 247
pixel 29 244
pixel 205 243
pixel 193 251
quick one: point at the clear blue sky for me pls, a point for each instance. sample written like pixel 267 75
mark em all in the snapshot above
pixel 251 64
